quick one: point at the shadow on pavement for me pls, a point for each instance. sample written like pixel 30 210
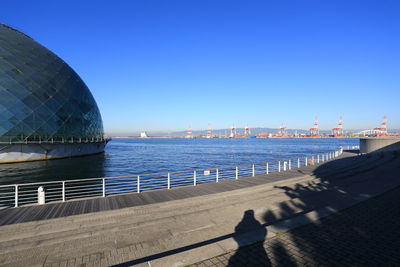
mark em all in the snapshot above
pixel 247 224
pixel 361 235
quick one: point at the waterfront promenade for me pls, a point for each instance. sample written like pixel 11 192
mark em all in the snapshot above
pixel 187 225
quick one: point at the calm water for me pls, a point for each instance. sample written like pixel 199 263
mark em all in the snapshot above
pixel 137 156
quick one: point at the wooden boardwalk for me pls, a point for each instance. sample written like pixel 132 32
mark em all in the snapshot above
pixel 76 207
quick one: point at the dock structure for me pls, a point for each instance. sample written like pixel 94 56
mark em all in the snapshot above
pixel 185 225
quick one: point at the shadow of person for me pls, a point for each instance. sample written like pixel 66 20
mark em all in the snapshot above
pixel 249 229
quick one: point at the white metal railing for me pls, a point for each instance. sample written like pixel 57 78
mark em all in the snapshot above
pixel 22 194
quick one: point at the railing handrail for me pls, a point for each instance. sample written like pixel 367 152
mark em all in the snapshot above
pixel 156 173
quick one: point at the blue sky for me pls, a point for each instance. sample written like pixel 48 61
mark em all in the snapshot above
pixel 162 65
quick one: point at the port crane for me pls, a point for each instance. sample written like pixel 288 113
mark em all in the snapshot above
pixel 314 132
pixel 338 131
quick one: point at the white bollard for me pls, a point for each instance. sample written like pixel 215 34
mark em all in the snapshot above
pixel 237 173
pixel 284 165
pixel 41 196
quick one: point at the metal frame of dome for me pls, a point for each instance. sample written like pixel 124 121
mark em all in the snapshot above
pixel 43 101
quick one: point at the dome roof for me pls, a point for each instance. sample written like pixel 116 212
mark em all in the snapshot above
pixel 41 97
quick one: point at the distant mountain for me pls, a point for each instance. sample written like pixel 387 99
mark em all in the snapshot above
pixel 224 132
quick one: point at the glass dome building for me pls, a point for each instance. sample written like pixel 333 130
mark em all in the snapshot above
pixel 43 102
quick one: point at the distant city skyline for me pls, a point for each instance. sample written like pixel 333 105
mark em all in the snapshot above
pixel 160 66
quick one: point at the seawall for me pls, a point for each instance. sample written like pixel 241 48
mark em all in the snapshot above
pixel 374 144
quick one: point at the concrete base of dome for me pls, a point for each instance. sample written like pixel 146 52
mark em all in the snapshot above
pixel 10 153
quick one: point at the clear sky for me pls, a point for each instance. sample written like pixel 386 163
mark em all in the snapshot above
pixel 162 65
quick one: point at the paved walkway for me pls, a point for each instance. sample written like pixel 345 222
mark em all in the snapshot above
pixel 366 234
pixel 179 233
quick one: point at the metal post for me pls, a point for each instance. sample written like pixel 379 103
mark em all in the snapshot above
pixel 312 159
pixel 266 167
pixel 169 181
pixel 63 191
pixel 306 162
pixel 237 173
pixel 138 184
pixel 104 187
pixel 16 195
pixel 298 162
pixel 279 166
pixel 318 158
pixel 194 178
pixel 323 158
pixel 217 176
pixel 290 164
pixel 252 170
pixel 284 165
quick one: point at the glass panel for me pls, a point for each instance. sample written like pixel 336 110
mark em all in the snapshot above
pixel 40 95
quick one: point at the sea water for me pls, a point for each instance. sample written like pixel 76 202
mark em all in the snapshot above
pixel 138 156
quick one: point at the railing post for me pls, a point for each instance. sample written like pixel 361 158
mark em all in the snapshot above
pixel 194 178
pixel 306 162
pixel 16 195
pixel 169 181
pixel 290 164
pixel 279 166
pixel 266 168
pixel 104 187
pixel 312 160
pixel 217 176
pixel 63 191
pixel 138 184
pixel 323 158
pixel 252 170
pixel 237 173
pixel 318 158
